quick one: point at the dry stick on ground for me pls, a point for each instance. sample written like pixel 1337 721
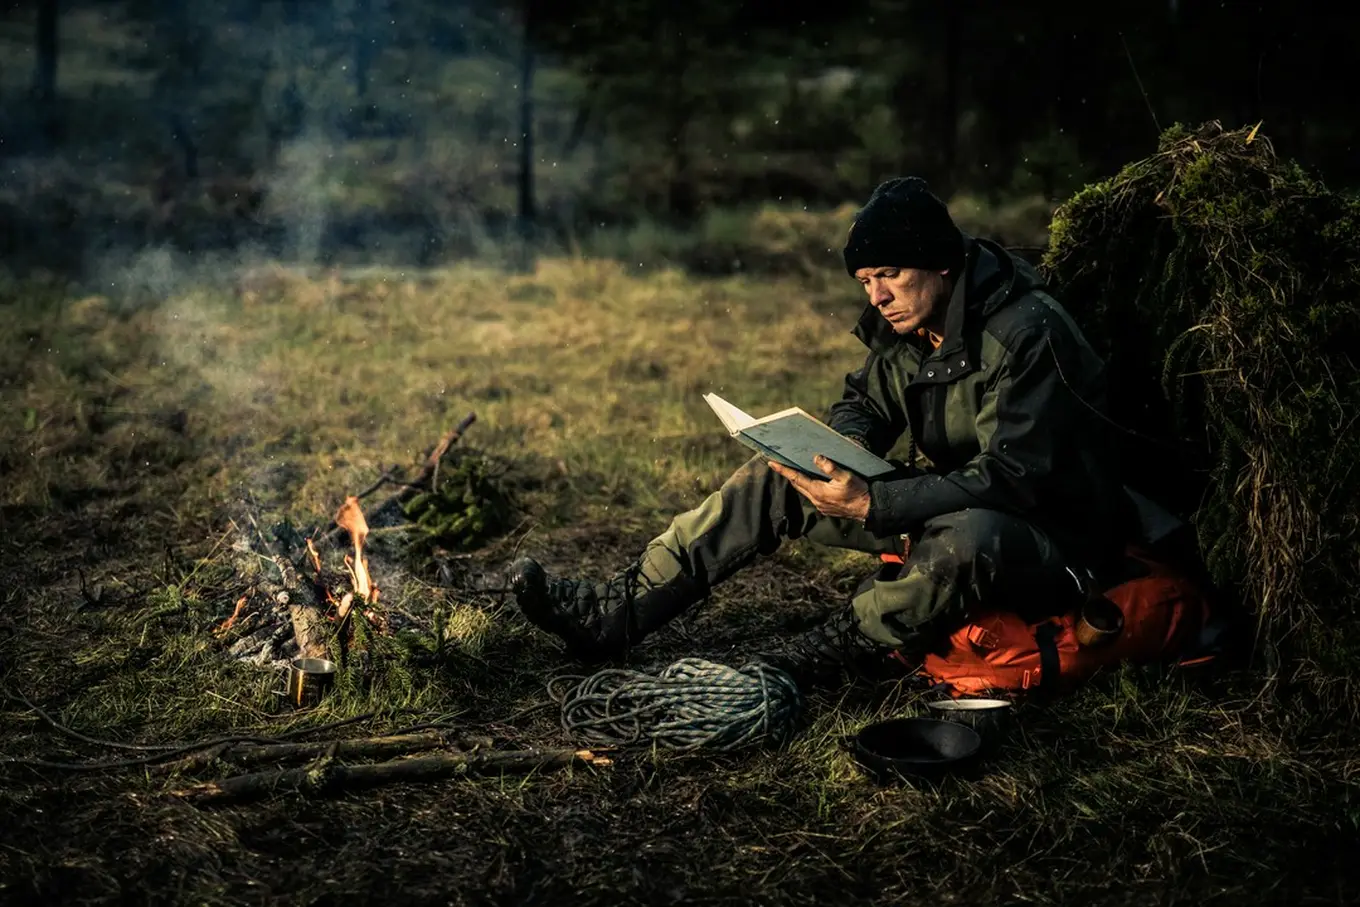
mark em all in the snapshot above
pixel 358 748
pixel 157 752
pixel 334 777
pixel 382 480
pixel 425 479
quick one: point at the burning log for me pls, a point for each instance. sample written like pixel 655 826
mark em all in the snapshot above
pixel 309 625
pixel 247 754
pixel 334 777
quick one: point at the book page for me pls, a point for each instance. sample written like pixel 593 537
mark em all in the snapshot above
pixel 733 418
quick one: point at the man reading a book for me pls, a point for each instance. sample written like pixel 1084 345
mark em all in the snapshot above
pixel 1006 493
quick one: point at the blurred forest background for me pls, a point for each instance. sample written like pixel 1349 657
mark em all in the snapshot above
pixel 714 134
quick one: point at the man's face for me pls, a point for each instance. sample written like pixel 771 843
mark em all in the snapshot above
pixel 908 298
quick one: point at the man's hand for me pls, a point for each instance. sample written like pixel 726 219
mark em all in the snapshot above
pixel 846 495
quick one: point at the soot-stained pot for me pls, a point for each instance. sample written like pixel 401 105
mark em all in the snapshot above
pixel 914 749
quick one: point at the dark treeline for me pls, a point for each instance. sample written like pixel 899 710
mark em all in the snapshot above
pixel 571 114
pixel 976 94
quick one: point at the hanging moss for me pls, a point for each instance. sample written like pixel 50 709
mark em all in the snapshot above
pixel 1222 284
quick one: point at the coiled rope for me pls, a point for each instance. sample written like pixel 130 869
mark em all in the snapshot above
pixel 692 704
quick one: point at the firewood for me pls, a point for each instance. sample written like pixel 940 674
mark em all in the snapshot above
pixel 281 584
pixel 384 747
pixel 334 777
pixel 309 624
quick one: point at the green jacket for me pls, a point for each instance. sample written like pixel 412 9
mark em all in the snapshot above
pixel 1006 412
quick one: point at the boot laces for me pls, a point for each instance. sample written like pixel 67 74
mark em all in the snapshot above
pixel 588 601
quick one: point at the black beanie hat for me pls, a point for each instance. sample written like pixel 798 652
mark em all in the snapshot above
pixel 903 226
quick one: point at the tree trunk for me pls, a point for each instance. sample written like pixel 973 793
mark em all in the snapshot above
pixel 45 72
pixel 363 46
pixel 953 93
pixel 184 42
pixel 1250 104
pixel 184 140
pixel 682 201
pixel 292 108
pixel 672 48
pixel 45 69
pixel 528 213
pixel 581 120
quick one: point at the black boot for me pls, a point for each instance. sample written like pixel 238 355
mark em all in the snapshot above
pixel 599 621
pixel 822 656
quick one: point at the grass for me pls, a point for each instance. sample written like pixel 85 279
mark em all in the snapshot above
pixel 794 240
pixel 300 387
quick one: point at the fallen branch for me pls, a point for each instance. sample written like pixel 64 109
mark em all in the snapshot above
pixel 335 777
pixel 379 483
pixel 357 748
pixel 159 751
pixel 425 479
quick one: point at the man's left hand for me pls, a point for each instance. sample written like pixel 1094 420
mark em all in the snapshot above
pixel 845 495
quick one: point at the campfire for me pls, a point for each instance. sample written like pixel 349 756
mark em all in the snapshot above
pixel 316 594
pixel 311 593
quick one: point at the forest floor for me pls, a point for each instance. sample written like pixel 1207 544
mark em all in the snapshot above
pixel 133 426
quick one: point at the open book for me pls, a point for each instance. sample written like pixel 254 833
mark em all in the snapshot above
pixel 793 437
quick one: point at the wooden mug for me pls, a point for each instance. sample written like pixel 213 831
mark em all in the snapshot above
pixel 1099 622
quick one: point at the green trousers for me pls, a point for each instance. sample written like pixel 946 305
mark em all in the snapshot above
pixel 957 561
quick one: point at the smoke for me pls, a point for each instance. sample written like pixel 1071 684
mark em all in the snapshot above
pixel 359 132
pixel 190 305
pixel 296 194
pixel 142 277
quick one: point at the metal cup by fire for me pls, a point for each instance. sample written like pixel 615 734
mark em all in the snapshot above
pixel 309 679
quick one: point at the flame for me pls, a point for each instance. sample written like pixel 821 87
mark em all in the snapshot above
pixel 316 558
pixel 231 621
pixel 343 605
pixel 351 518
pixel 320 580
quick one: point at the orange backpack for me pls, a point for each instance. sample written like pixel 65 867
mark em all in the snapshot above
pixel 998 651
